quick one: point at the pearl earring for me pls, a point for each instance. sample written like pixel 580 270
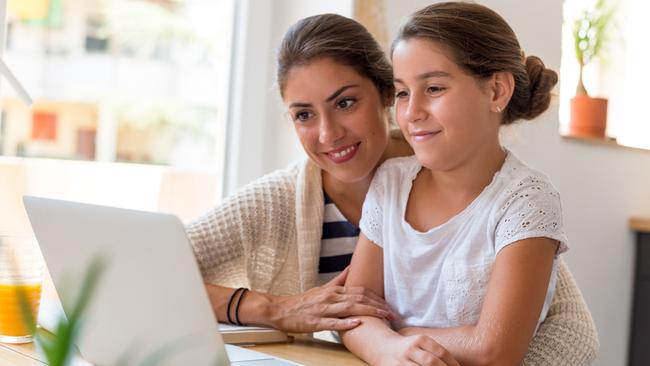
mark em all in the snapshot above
pixel 499 109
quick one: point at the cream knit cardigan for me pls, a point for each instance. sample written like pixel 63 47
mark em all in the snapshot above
pixel 267 237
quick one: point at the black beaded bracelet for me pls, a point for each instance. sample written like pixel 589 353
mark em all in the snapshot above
pixel 237 307
pixel 232 297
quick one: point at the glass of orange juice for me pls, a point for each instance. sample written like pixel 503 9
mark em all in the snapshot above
pixel 21 274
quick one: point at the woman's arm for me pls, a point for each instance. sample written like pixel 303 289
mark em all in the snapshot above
pixel 511 310
pixel 320 308
pixel 568 332
pixel 374 341
pixel 261 216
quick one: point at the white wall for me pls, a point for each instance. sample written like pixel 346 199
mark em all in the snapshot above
pixel 601 186
pixel 262 137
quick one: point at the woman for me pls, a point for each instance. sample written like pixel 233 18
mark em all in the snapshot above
pixel 268 236
pixel 285 234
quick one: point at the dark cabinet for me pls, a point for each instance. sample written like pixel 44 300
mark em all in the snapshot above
pixel 640 334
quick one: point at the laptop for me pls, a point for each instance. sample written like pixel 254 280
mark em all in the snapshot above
pixel 150 298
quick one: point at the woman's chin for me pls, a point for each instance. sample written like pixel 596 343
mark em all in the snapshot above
pixel 352 173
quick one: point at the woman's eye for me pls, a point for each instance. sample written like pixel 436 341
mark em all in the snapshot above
pixel 302 116
pixel 401 94
pixel 345 103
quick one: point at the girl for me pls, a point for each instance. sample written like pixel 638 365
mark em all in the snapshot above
pixel 462 240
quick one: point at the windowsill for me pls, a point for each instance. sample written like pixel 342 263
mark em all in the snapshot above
pixel 607 141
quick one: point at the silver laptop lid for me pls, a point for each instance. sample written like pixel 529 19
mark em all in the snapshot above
pixel 150 298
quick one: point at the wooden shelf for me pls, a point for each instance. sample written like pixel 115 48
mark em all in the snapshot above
pixel 640 224
pixel 606 141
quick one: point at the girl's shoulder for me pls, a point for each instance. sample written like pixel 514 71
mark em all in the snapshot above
pixel 402 167
pixel 516 175
pixel 393 175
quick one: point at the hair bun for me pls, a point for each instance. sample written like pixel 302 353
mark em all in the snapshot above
pixel 542 81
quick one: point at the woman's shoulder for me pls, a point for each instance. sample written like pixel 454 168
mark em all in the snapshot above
pixel 279 183
pixel 287 175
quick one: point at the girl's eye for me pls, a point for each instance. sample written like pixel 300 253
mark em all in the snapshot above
pixel 302 116
pixel 435 89
pixel 400 94
pixel 345 103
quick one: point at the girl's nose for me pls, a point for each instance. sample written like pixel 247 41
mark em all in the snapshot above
pixel 415 110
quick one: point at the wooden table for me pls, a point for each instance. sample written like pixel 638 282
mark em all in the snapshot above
pixel 303 351
pixel 640 224
pixel 311 352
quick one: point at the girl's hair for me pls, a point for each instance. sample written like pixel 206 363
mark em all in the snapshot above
pixel 481 42
pixel 341 39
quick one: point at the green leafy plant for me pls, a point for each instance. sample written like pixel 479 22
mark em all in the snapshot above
pixel 59 347
pixel 590 32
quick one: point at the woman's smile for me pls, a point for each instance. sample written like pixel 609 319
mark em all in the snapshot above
pixel 343 154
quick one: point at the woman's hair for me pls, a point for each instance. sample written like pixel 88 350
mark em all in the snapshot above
pixel 482 43
pixel 341 39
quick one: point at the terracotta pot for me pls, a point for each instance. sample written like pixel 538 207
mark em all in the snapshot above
pixel 588 116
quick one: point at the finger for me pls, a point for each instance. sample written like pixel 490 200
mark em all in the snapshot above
pixel 449 360
pixel 424 358
pixel 358 290
pixel 364 300
pixel 336 324
pixel 361 299
pixel 340 278
pixel 439 351
pixel 344 310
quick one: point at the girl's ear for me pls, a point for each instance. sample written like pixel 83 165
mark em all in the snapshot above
pixel 502 86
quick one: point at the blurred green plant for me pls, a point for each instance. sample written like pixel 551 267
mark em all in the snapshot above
pixel 59 347
pixel 590 34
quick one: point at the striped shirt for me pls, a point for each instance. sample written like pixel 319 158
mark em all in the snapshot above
pixel 337 242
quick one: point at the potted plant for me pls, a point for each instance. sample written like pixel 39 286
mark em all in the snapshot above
pixel 588 114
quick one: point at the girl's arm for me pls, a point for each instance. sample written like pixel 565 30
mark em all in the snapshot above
pixel 374 341
pixel 511 310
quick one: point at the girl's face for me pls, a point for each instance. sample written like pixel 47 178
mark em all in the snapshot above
pixel 443 111
pixel 339 117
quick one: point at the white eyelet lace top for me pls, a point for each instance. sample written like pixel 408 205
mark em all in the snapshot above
pixel 439 278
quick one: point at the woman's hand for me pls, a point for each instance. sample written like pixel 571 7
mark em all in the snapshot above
pixel 321 308
pixel 413 350
pixel 408 331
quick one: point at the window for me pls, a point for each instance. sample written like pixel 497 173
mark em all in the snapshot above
pixel 620 76
pixel 141 82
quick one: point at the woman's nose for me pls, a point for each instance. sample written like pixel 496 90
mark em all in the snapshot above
pixel 329 131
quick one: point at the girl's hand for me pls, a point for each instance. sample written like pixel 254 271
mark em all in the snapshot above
pixel 321 308
pixel 413 350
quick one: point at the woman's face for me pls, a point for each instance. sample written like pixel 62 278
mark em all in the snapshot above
pixel 339 117
pixel 442 110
